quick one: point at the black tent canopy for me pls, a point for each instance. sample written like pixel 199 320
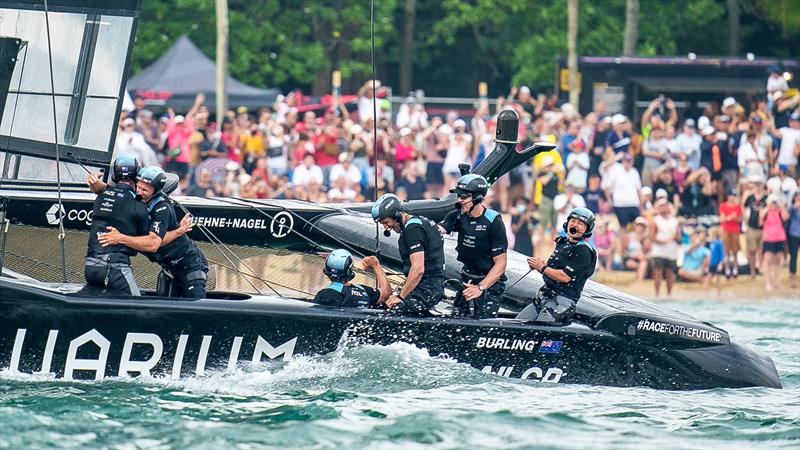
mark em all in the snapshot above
pixel 182 72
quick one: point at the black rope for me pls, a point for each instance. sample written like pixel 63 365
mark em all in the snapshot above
pixel 61 233
pixel 374 128
pixel 219 245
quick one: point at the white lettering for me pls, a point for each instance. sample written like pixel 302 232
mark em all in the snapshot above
pixel 97 365
pixel 553 375
pixel 535 371
pixel 141 367
pixel 481 342
pixel 48 351
pixel 234 356
pixel 264 348
pixel 178 361
pixel 200 369
pixel 17 350
pixel 81 215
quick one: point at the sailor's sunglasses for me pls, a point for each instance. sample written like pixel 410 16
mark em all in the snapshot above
pixel 464 196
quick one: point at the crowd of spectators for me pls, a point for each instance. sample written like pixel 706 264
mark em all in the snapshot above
pixel 698 196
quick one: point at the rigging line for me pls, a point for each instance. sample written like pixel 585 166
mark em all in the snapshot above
pixel 61 233
pixel 284 209
pixel 19 85
pixel 301 218
pixel 216 263
pixel 211 237
pixel 374 127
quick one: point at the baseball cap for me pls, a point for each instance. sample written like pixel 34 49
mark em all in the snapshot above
pixel 525 89
pixel 459 124
pixel 708 131
pixel 773 198
pixel 617 119
pixel 689 122
pixel 661 193
pixel 724 118
pixel 728 102
pixel 179 119
pixel 646 190
pixel 732 192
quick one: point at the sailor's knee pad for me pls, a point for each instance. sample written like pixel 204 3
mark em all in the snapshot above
pixel 193 284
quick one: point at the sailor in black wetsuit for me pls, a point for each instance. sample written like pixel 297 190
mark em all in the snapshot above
pixel 482 248
pixel 117 206
pixel 184 267
pixel 565 272
pixel 339 268
pixel 422 252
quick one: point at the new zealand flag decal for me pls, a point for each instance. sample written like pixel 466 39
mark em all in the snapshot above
pixel 550 347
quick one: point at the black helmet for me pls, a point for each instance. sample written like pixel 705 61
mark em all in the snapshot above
pixel 125 167
pixel 339 266
pixel 154 176
pixel 388 205
pixel 472 184
pixel 586 216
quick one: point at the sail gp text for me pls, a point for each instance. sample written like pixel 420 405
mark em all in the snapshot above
pixel 127 366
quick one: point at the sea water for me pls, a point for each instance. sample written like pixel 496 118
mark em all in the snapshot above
pixel 398 396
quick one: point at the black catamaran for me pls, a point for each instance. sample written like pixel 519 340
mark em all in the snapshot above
pixel 264 254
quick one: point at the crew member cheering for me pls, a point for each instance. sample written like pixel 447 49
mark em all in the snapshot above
pixel 422 252
pixel 565 272
pixel 115 206
pixel 184 267
pixel 482 248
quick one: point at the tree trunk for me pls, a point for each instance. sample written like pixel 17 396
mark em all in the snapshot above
pixel 631 27
pixel 733 27
pixel 572 53
pixel 407 50
pixel 222 60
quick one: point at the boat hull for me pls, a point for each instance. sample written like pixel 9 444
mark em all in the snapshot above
pixel 80 337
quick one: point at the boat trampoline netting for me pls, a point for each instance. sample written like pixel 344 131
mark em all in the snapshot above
pixel 35 251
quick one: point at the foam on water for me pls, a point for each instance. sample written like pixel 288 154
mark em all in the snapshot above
pixel 399 396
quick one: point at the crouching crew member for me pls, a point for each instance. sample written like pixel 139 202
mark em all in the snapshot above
pixel 117 206
pixel 184 267
pixel 422 252
pixel 339 268
pixel 482 249
pixel 565 272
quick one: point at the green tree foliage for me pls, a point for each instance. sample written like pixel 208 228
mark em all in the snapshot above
pixel 458 43
pixel 284 43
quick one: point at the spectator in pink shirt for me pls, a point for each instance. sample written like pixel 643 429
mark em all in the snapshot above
pixel 179 129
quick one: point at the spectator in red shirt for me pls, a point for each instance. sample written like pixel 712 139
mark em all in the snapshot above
pixel 327 150
pixel 730 218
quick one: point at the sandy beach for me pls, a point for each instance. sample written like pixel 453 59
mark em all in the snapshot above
pixel 742 288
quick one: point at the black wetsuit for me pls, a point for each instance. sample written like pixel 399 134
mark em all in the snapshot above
pixel 422 235
pixel 110 267
pixel 480 240
pixel 348 296
pixel 181 259
pixel 555 301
